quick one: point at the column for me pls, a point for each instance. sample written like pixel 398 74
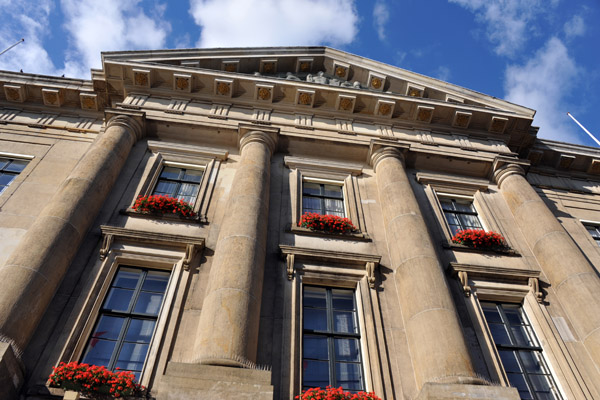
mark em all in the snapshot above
pixel 574 280
pixel 32 273
pixel 436 342
pixel 230 317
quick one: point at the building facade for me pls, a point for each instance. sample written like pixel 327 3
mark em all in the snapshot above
pixel 241 301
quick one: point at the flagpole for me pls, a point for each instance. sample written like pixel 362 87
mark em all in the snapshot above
pixel 582 127
pixel 20 41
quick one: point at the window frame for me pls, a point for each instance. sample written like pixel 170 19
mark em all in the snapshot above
pixel 180 181
pixel 592 224
pixel 322 197
pixel 18 177
pixel 465 199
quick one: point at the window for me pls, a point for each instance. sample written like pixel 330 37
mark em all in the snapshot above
pixel 322 198
pixel 594 231
pixel 460 214
pixel 519 351
pixel 181 183
pixel 122 334
pixel 9 169
pixel 331 339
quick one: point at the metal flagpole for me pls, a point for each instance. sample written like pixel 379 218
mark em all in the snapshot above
pixel 582 127
pixel 20 41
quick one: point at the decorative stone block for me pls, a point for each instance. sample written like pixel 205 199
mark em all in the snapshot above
pixel 413 90
pixel 15 93
pixel 268 67
pixel 230 65
pixel 454 99
pixel 263 92
pixel 89 101
pixel 345 103
pixel 565 161
pixel 461 119
pixel 224 87
pixel 424 113
pixel 190 63
pixel 594 167
pixel 376 81
pixel 498 124
pixel 52 97
pixel 182 83
pixel 304 65
pixel 141 77
pixel 385 108
pixel 305 97
pixel 341 70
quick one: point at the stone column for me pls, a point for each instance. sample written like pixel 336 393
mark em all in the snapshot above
pixel 574 280
pixel 435 338
pixel 32 273
pixel 230 317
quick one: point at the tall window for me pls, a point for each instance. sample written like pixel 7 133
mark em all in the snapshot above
pixel 322 198
pixel 9 169
pixel 520 351
pixel 460 214
pixel 181 183
pixel 123 331
pixel 331 340
pixel 594 230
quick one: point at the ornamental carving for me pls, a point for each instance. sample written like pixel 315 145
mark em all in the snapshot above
pixel 230 67
pixel 182 83
pixel 88 102
pixel 12 93
pixel 462 120
pixel 268 67
pixel 304 98
pixel 223 88
pixel 414 92
pixel 498 125
pixel 264 94
pixel 384 109
pixel 346 104
pixel 376 82
pixel 51 97
pixel 304 66
pixel 140 79
pixel 424 114
pixel 340 71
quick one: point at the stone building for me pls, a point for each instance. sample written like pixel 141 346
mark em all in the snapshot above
pixel 240 301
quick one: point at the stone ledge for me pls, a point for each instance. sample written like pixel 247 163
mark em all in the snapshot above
pixel 454 391
pixel 360 236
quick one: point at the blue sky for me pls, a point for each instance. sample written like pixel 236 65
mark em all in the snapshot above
pixel 543 54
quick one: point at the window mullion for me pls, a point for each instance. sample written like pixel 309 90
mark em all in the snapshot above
pixel 119 344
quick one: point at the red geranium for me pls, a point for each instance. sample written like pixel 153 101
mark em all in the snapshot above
pixel 478 238
pixel 95 381
pixel 163 205
pixel 326 223
pixel 331 393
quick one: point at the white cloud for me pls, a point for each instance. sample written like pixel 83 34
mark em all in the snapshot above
pixel 509 22
pixel 442 73
pixel 575 27
pixel 109 25
pixel 274 22
pixel 29 20
pixel 381 14
pixel 541 84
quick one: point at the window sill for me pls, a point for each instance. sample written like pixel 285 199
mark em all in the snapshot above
pixel 463 248
pixel 356 236
pixel 169 217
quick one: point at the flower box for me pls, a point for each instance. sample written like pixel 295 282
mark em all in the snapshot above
pixel 163 205
pixel 95 382
pixel 330 393
pixel 480 239
pixel 326 223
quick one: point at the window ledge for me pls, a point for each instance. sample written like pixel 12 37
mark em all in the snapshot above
pixel 201 219
pixel 357 236
pixel 460 247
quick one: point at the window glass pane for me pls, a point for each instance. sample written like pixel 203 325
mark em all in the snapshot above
pixel 464 206
pixel 16 166
pixel 312 203
pixel 470 221
pixel 521 336
pixel 518 381
pixel 315 373
pixel 452 219
pixel 342 299
pixel 347 350
pixel 334 206
pixel 499 334
pixel 509 361
pixel 315 319
pixel 446 204
pixel 311 188
pixel 127 278
pixel 156 281
pixel 188 189
pixel 315 297
pixel 513 316
pixel 531 362
pixel 108 327
pixel 5 179
pixel 170 173
pixel 132 356
pixel 491 313
pixel 348 376
pixel 99 352
pixel 193 175
pixel 140 330
pixel 148 303
pixel 315 347
pixel 118 299
pixel 333 191
pixel 165 188
pixel 344 322
pixel 3 162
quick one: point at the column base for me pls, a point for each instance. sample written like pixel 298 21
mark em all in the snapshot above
pixel 456 391
pixel 11 373
pixel 183 381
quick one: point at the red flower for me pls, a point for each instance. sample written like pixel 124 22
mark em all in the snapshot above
pixel 478 238
pixel 163 204
pixel 326 223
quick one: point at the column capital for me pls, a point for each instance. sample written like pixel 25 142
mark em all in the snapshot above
pixel 265 135
pixel 380 149
pixel 504 167
pixel 385 152
pixel 133 121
